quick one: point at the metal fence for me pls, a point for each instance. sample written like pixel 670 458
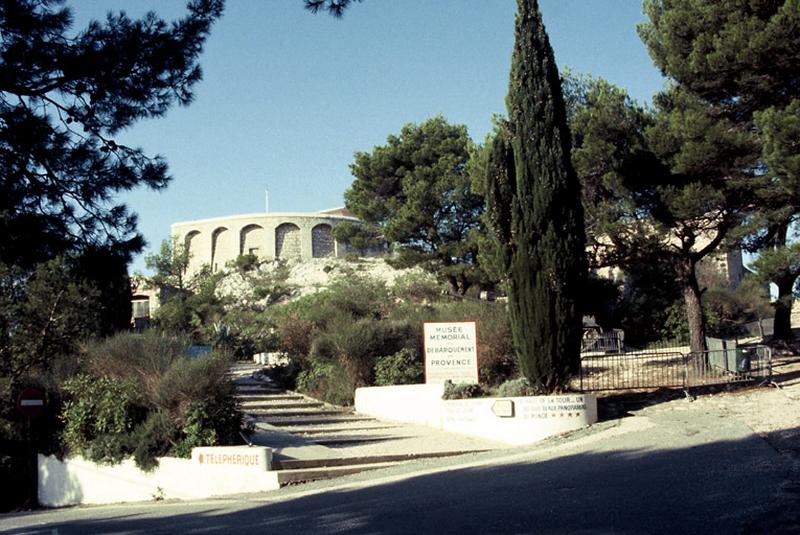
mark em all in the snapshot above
pixel 674 369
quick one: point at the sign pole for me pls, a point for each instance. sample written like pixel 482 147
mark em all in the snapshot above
pixel 30 403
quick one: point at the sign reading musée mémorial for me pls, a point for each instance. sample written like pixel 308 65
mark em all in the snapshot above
pixel 451 352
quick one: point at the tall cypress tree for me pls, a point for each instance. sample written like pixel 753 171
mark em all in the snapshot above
pixel 534 204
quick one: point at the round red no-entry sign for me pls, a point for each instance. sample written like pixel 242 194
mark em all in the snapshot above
pixel 30 402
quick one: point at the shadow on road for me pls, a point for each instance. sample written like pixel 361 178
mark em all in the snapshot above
pixel 691 486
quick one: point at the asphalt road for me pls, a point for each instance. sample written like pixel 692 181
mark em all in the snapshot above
pixel 679 468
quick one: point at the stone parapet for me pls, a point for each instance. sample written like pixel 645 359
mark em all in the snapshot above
pixel 269 236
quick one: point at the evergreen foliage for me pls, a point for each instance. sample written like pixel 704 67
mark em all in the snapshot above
pixel 780 198
pixel 64 95
pixel 65 242
pixel 43 317
pixel 188 304
pixel 416 192
pixel 665 187
pixel 534 200
pixel 335 8
pixel 739 63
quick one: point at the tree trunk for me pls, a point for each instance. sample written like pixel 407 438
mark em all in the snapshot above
pixel 783 311
pixel 455 288
pixel 694 312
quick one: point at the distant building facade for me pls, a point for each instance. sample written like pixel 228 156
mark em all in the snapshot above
pixel 144 303
pixel 269 236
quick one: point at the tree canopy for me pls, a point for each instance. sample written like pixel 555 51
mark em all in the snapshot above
pixel 188 302
pixel 736 73
pixel 416 191
pixel 333 7
pixel 64 96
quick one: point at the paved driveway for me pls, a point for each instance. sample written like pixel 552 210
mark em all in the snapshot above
pixel 679 467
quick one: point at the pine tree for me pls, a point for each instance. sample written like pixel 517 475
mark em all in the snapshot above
pixel 65 94
pixel 739 60
pixel 415 192
pixel 534 200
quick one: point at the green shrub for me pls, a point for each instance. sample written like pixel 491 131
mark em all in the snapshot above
pixel 141 358
pixel 358 344
pixel 209 422
pixel 146 397
pixel 676 326
pixel 516 388
pixel 270 285
pixel 153 439
pixel 295 336
pixel 244 263
pixel 402 368
pixel 326 381
pixel 350 349
pixel 462 391
pixel 417 287
pixel 99 415
pixel 229 340
pixel 359 297
pixel 323 348
pixel 191 380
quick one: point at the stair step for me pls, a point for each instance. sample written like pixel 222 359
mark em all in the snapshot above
pixel 257 391
pixel 270 397
pixel 359 427
pixel 300 464
pixel 352 441
pixel 300 475
pixel 245 380
pixel 284 421
pixel 294 413
pixel 271 405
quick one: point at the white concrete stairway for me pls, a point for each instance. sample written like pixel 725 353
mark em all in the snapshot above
pixel 314 440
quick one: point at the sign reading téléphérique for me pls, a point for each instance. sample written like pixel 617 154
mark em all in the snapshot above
pixel 451 352
pixel 255 457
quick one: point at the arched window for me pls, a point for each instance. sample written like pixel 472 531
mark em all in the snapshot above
pixel 220 248
pixel 251 240
pixel 321 241
pixel 192 244
pixel 287 241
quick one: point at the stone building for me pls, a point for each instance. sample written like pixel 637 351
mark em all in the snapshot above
pixel 267 235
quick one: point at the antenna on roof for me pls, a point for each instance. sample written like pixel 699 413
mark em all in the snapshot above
pixel 266 200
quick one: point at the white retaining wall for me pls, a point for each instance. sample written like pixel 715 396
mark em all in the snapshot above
pixel 77 481
pixel 413 404
pixel 515 420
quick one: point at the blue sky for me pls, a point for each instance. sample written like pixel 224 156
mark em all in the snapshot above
pixel 288 97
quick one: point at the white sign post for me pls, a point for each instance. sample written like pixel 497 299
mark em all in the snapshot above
pixel 451 352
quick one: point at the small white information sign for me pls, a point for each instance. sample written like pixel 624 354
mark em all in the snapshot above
pixel 451 352
pixel 255 457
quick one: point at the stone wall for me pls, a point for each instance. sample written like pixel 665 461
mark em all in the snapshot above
pixel 269 235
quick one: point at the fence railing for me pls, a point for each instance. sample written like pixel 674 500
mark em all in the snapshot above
pixel 674 369
pixel 606 342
